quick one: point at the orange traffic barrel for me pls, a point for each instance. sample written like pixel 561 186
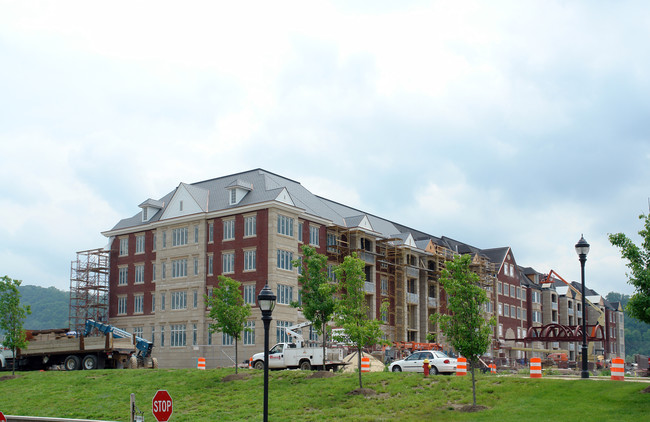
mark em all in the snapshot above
pixel 618 369
pixel 461 366
pixel 535 367
pixel 201 364
pixel 365 364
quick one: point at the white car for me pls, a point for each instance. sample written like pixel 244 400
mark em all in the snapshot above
pixel 438 363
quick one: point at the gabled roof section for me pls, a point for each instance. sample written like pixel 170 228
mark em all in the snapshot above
pixel 360 221
pixel 284 197
pixel 186 200
pixel 152 203
pixel 242 184
pixel 405 239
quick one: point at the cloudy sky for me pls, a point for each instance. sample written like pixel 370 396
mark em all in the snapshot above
pixel 497 123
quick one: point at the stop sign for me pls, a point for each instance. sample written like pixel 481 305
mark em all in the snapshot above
pixel 162 406
pixel 2 418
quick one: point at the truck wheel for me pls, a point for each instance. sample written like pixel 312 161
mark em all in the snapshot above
pixel 305 365
pixel 89 362
pixel 397 368
pixel 72 363
pixel 154 363
pixel 133 362
pixel 259 365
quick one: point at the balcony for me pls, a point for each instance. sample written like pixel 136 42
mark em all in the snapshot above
pixel 412 272
pixel 570 311
pixel 579 314
pixel 366 257
pixel 413 298
pixel 432 302
pixel 369 287
pixel 554 306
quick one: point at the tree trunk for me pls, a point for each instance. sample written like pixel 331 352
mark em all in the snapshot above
pixel 359 367
pixel 13 363
pixel 473 363
pixel 236 361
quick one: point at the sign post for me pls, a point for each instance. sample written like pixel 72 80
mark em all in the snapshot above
pixel 162 406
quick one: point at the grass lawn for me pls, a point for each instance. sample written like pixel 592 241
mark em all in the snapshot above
pixel 298 395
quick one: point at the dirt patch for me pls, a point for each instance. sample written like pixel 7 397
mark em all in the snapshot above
pixel 235 377
pixel 645 390
pixel 366 392
pixel 8 377
pixel 322 374
pixel 466 408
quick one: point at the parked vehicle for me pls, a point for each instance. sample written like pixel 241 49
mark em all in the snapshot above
pixel 439 362
pixel 115 349
pixel 295 355
pixel 6 355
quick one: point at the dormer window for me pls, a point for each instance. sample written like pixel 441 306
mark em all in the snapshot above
pixel 233 196
pixel 149 208
pixel 238 190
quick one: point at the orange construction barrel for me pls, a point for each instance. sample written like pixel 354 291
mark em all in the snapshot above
pixel 461 366
pixel 618 369
pixel 535 367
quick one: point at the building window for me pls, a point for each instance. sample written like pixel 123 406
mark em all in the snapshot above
pixel 249 294
pixel 178 335
pixel 196 299
pixel 330 273
pixel 196 234
pixel 226 339
pixel 249 333
pixel 313 236
pixel 121 305
pixel 153 302
pixel 139 244
pixel 499 289
pixel 250 258
pixel 285 294
pixel 196 266
pixel 211 232
pixel 164 239
pixel 513 291
pixel 124 246
pixel 179 268
pixel 229 229
pixel 179 236
pixel 139 274
pixel 300 229
pixel 285 225
pixel 123 276
pixel 500 309
pixel 138 304
pixel 506 310
pixel 179 300
pixel 233 196
pixel 210 265
pixel 162 301
pixel 194 335
pixel 280 332
pixel 163 266
pixel 162 336
pixel 138 331
pixel 228 263
pixel 153 246
pixel 513 311
pixel 384 286
pixel 284 260
pixel 153 271
pixel 250 226
pixel 500 330
pixel 331 242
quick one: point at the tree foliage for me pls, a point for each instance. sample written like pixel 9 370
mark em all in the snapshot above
pixel 638 261
pixel 227 308
pixel 465 326
pixel 318 301
pixel 12 316
pixel 352 311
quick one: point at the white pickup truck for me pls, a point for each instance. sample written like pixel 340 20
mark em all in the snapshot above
pixel 5 356
pixel 295 355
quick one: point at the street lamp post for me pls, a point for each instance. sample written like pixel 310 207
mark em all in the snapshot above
pixel 266 302
pixel 582 249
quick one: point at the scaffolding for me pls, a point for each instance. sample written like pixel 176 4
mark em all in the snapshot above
pixel 89 288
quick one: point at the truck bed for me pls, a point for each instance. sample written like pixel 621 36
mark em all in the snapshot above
pixel 76 344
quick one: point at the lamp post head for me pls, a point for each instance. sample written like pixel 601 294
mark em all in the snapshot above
pixel 582 248
pixel 266 300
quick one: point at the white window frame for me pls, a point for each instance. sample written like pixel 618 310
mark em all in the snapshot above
pixel 123 276
pixel 179 268
pixel 139 274
pixel 249 333
pixel 284 259
pixel 179 236
pixel 124 246
pixel 250 260
pixel 139 243
pixel 250 226
pixel 229 229
pixel 249 294
pixel 121 305
pixel 210 232
pixel 138 303
pixel 284 294
pixel 281 334
pixel 178 335
pixel 179 300
pixel 228 263
pixel 285 225
pixel 314 235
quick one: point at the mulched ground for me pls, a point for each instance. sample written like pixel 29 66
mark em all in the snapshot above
pixel 235 377
pixel 366 392
pixel 8 377
pixel 646 390
pixel 322 374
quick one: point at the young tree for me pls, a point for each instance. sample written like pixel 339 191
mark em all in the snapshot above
pixel 638 261
pixel 465 326
pixel 317 291
pixel 352 311
pixel 12 316
pixel 227 308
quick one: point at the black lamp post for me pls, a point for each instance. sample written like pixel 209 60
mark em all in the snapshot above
pixel 266 302
pixel 582 249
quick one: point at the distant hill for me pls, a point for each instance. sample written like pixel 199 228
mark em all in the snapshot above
pixel 50 307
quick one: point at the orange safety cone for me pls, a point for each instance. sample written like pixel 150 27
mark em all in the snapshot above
pixel 461 366
pixel 493 368
pixel 618 369
pixel 535 367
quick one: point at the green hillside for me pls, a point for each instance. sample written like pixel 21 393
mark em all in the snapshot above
pixel 50 307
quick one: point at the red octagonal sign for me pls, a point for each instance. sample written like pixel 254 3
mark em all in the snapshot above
pixel 162 406
pixel 2 418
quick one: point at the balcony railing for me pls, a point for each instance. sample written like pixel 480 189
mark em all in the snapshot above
pixel 369 287
pixel 366 257
pixel 571 312
pixel 554 306
pixel 412 272
pixel 413 298
pixel 433 302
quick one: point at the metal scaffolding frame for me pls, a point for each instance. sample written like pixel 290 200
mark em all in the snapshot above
pixel 89 288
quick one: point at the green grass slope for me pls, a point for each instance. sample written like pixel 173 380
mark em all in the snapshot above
pixel 299 396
